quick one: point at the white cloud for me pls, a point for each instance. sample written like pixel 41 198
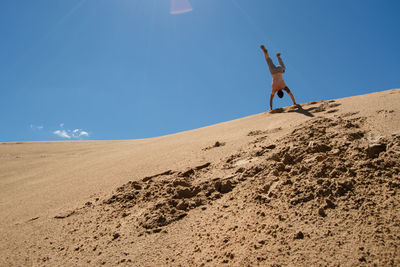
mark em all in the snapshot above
pixel 62 133
pixel 76 133
pixel 83 133
pixel 34 127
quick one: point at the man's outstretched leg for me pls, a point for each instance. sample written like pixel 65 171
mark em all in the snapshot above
pixel 291 95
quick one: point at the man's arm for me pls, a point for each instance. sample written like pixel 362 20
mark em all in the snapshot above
pixel 270 100
pixel 278 55
pixel 291 95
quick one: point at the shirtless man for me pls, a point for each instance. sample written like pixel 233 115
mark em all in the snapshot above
pixel 278 84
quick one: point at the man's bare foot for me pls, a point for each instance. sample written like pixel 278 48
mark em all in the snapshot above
pixel 263 48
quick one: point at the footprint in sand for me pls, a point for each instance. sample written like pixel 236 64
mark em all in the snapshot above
pixel 384 111
pixel 334 105
pixel 332 111
pixel 255 132
pixel 320 108
pixel 217 144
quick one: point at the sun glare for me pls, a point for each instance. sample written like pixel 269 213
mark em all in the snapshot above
pixel 180 7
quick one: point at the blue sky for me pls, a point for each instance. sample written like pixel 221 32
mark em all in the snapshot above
pixel 127 69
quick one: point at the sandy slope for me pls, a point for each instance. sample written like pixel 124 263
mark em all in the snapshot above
pixel 311 185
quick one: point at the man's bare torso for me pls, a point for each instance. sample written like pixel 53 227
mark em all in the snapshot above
pixel 277 82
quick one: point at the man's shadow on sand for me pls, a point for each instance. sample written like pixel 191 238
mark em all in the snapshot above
pixel 296 108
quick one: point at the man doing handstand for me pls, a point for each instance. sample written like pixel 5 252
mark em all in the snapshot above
pixel 278 84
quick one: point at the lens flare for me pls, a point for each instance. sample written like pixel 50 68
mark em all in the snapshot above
pixel 180 6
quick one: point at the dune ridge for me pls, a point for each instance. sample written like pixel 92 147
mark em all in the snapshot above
pixel 323 190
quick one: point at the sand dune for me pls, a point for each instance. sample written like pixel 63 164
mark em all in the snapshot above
pixel 315 184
